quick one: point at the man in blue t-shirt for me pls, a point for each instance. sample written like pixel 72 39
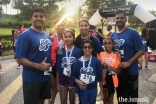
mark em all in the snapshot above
pixel 129 44
pixel 33 51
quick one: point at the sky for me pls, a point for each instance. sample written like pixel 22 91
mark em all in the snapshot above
pixel 147 4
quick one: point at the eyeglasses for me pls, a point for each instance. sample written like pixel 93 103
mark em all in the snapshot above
pixel 117 18
pixel 105 43
pixel 85 47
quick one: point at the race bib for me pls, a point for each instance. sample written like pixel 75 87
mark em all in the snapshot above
pixel 87 78
pixel 48 71
pixel 122 53
pixel 67 71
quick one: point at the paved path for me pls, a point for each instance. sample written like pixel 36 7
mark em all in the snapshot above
pixel 11 84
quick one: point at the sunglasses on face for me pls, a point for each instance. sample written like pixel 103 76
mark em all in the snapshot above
pixel 85 47
pixel 117 18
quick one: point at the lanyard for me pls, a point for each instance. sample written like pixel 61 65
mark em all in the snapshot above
pixel 57 39
pixel 109 62
pixel 68 58
pixel 82 58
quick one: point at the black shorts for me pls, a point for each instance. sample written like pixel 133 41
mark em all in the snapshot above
pixel 35 92
pixel 128 88
pixel 54 71
pixel 109 85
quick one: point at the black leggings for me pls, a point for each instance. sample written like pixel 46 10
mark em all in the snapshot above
pixel 127 89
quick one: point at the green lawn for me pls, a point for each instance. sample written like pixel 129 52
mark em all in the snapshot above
pixel 7 31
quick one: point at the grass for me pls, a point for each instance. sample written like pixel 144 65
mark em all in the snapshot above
pixel 5 31
pixel 8 52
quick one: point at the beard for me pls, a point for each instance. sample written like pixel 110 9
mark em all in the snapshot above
pixel 120 24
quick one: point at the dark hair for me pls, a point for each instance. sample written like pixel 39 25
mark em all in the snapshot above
pixel 70 31
pixel 144 32
pixel 16 27
pixel 12 31
pixel 83 20
pixel 100 30
pixel 110 26
pixel 110 39
pixel 73 30
pixel 38 9
pixel 120 11
pixel 87 41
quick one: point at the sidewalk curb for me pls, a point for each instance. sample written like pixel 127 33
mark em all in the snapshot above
pixel 7 57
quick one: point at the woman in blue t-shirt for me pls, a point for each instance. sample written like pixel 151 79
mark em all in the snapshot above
pixel 144 36
pixel 87 72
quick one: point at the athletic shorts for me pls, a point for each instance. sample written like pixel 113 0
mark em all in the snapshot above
pixel 109 85
pixel 66 81
pixel 127 88
pixel 38 91
pixel 54 71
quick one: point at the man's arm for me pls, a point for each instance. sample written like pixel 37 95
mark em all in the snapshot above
pixel 133 59
pixel 40 66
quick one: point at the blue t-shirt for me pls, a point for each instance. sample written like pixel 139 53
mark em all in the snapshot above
pixel 129 43
pixel 94 71
pixel 62 60
pixel 144 41
pixel 98 45
pixel 35 47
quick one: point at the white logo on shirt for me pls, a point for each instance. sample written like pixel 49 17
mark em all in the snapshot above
pixel 87 75
pixel 64 61
pixel 44 44
pixel 118 43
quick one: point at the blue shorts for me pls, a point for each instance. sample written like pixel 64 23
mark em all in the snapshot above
pixel 88 96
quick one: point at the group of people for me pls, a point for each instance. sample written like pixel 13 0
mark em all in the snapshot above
pixel 65 63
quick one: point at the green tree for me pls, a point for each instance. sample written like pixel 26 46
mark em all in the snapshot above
pixel 25 6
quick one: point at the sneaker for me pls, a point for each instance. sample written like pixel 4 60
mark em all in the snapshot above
pixel 1 72
pixel 146 68
pixel 140 68
pixel 18 67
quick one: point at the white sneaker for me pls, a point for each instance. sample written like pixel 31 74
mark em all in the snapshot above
pixel 1 72
pixel 18 67
pixel 146 68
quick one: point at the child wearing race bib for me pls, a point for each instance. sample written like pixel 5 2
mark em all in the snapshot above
pixel 110 61
pixel 87 72
pixel 64 67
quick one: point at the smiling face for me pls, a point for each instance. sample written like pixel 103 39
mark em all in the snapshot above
pixel 87 49
pixel 108 44
pixel 120 20
pixel 38 19
pixel 84 27
pixel 60 28
pixel 69 37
